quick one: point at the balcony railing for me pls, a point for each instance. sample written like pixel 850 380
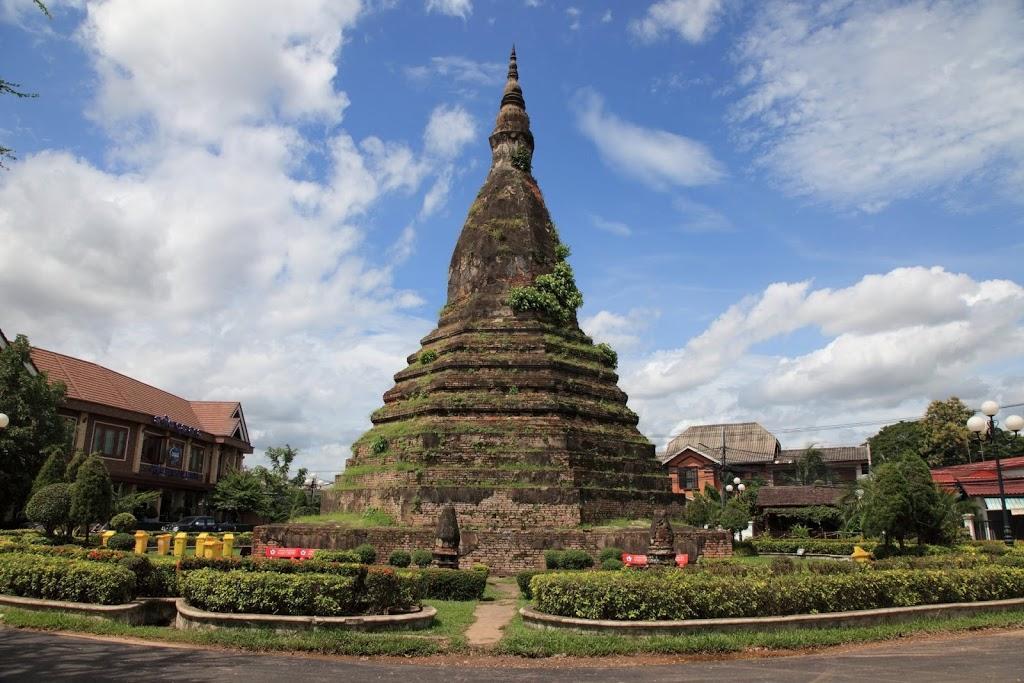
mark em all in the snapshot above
pixel 168 472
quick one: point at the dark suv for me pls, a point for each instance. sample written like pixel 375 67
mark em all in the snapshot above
pixel 198 524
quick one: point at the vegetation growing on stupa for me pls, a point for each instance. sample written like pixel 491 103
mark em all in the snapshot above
pixel 554 294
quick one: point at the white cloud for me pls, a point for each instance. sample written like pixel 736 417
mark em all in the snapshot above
pixel 886 345
pixel 692 20
pixel 449 130
pixel 460 70
pixel 614 227
pixel 700 218
pixel 622 332
pixel 453 8
pixel 862 104
pixel 606 17
pixel 656 157
pixel 212 262
pixel 574 14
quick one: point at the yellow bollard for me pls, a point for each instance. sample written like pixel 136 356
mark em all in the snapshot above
pixel 105 536
pixel 860 555
pixel 213 549
pixel 201 544
pixel 229 545
pixel 180 543
pixel 163 544
pixel 141 541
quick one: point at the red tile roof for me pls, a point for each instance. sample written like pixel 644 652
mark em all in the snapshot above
pixel 94 383
pixel 976 471
pixel 1012 487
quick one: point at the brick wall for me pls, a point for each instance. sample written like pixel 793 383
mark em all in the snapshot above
pixel 505 552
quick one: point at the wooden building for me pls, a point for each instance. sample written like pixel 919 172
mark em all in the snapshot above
pixel 148 438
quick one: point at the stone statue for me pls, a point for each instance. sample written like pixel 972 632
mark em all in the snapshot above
pixel 661 550
pixel 446 542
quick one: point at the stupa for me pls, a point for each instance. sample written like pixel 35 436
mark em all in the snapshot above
pixel 508 412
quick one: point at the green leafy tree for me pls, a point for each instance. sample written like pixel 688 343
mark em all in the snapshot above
pixel 286 492
pixel 736 515
pixel 52 471
pixel 50 507
pixel 947 441
pixel 240 492
pixel 71 471
pixel 810 468
pixel 894 440
pixel 135 504
pixel 92 495
pixel 901 501
pixel 31 403
pixel 704 509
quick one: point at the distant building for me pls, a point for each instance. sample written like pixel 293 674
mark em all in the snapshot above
pixel 699 455
pixel 149 439
pixel 778 508
pixel 977 482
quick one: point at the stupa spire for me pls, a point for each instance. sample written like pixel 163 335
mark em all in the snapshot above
pixel 512 127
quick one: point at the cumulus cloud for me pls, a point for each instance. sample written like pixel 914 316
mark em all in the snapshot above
pixel 865 103
pixel 212 262
pixel 453 8
pixel 458 69
pixel 655 157
pixel 449 130
pixel 691 20
pixel 884 346
pixel 621 331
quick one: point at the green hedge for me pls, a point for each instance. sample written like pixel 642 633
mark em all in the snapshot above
pixel 57 578
pixel 699 595
pixel 337 556
pixel 324 595
pixel 523 579
pixel 453 584
pixel 820 546
pixel 251 564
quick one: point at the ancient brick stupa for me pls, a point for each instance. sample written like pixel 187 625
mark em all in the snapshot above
pixel 508 411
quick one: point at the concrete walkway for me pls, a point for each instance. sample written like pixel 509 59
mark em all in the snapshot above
pixel 493 617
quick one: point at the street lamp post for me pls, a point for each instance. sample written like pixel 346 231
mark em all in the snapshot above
pixel 985 426
pixel 737 485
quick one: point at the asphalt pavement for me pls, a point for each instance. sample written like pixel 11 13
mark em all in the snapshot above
pixel 35 656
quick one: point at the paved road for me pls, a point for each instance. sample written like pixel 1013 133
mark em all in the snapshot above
pixel 29 656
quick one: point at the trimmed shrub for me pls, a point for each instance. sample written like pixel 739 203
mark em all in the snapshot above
pixel 611 553
pixel 140 566
pixel 523 581
pixel 387 591
pixel 422 558
pixel 121 542
pixel 399 558
pixel 337 556
pixel 163 582
pixel 783 565
pixel 831 567
pixel 68 551
pixel 123 522
pixel 56 578
pixel 576 559
pixel 367 553
pixel 723 567
pixel 323 595
pixel 553 559
pixel 994 548
pixel 743 549
pixel 481 567
pixel 820 546
pixel 699 595
pixel 453 584
pixel 250 564
pixel 611 564
pixel 50 507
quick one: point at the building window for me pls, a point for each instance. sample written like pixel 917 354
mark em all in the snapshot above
pixel 688 478
pixel 152 448
pixel 196 458
pixel 864 469
pixel 175 454
pixel 110 440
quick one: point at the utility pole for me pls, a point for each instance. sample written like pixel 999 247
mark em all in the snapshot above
pixel 723 467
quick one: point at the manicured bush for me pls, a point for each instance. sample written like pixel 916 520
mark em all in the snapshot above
pixel 399 558
pixel 386 591
pixel 553 559
pixel 422 558
pixel 163 582
pixel 121 542
pixel 723 567
pixel 611 553
pixel 699 595
pixel 819 546
pixel 523 581
pixel 50 507
pixel 324 595
pixel 337 556
pixel 611 564
pixel 56 578
pixel 992 547
pixel 453 584
pixel 124 522
pixel 832 567
pixel 367 553
pixel 68 551
pixel 255 564
pixel 783 565
pixel 481 567
pixel 576 559
pixel 140 566
pixel 743 549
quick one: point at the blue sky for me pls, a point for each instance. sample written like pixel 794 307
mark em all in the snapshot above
pixel 794 213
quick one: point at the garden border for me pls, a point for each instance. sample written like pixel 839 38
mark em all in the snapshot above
pixel 190 617
pixel 868 617
pixel 138 612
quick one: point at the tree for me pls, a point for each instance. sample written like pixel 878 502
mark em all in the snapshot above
pixel 901 501
pixel 736 515
pixel 92 494
pixel 133 503
pixel 947 441
pixel 286 493
pixel 52 471
pixel 894 440
pixel 810 468
pixel 704 509
pixel 50 507
pixel 9 88
pixel 71 471
pixel 239 492
pixel 31 403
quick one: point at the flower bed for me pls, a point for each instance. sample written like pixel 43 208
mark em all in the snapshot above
pixel 675 595
pixel 71 580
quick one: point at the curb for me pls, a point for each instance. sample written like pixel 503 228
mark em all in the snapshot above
pixel 139 612
pixel 190 617
pixel 870 617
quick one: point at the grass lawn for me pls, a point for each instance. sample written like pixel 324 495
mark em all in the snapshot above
pixel 445 636
pixel 358 520
pixel 522 641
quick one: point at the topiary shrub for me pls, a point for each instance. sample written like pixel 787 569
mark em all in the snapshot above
pixel 121 542
pixel 610 553
pixel 399 558
pixel 337 556
pixel 576 559
pixel 140 566
pixel 783 565
pixel 611 564
pixel 57 578
pixel 553 559
pixel 50 507
pixel 523 581
pixel 324 595
pixel 367 553
pixel 453 584
pixel 481 567
pixel 123 523
pixel 422 558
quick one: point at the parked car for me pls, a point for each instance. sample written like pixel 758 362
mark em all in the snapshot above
pixel 197 523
